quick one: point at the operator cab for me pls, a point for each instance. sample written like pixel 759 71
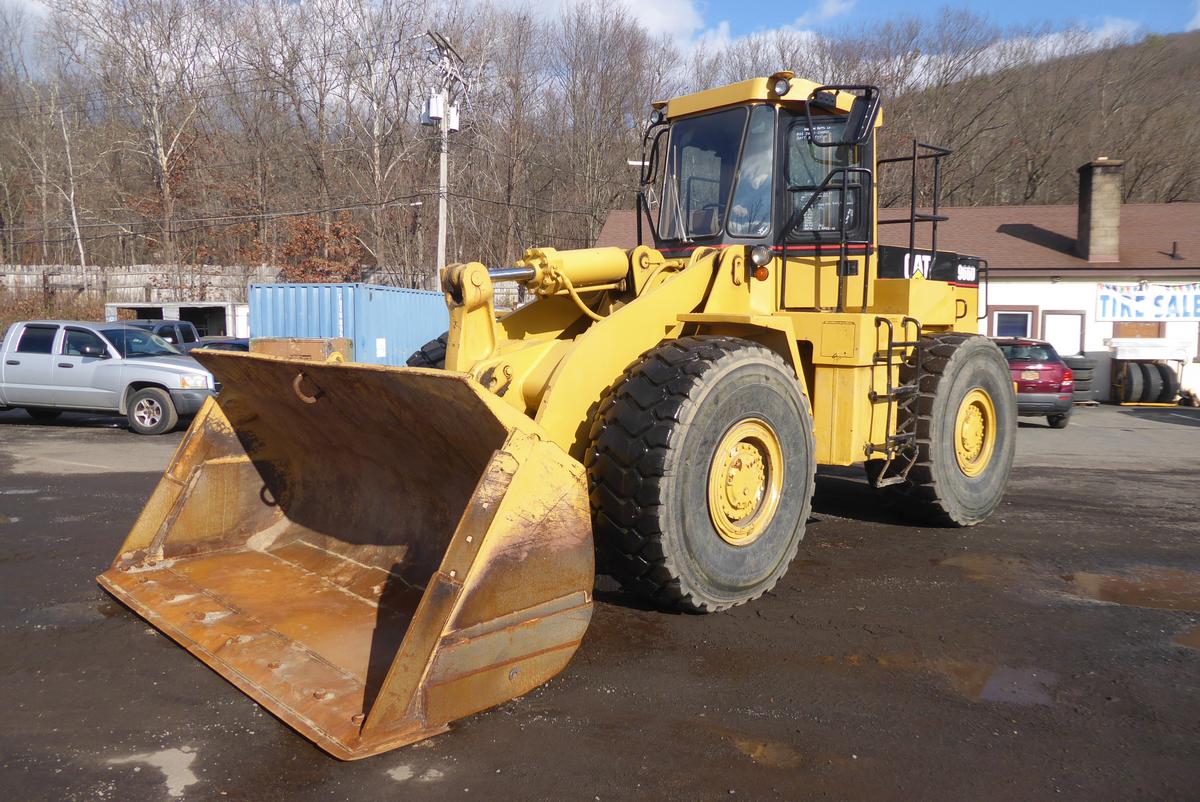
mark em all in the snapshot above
pixel 763 173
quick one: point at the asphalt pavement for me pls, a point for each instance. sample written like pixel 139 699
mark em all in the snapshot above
pixel 1052 652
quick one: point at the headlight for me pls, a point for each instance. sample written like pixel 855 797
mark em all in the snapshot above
pixel 194 381
pixel 781 86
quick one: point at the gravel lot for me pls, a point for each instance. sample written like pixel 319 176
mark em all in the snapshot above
pixel 1051 652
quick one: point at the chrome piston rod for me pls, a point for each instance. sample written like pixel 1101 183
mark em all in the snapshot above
pixel 511 273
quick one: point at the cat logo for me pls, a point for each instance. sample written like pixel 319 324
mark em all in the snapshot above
pixel 916 265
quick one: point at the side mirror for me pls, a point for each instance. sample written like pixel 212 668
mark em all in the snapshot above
pixel 93 351
pixel 860 121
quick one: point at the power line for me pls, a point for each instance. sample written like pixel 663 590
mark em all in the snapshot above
pixel 515 205
pixel 220 221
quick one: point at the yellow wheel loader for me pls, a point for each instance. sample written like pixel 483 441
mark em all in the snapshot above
pixel 372 553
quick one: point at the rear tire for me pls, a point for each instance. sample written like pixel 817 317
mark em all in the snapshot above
pixel 43 415
pixel 965 391
pixel 1170 384
pixel 1059 421
pixel 430 355
pixel 702 471
pixel 151 412
pixel 1131 383
pixel 1152 383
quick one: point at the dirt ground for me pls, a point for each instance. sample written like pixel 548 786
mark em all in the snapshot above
pixel 1053 652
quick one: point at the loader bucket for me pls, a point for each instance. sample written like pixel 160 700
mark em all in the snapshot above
pixel 368 552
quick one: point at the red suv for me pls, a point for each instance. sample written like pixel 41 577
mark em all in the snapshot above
pixel 1044 382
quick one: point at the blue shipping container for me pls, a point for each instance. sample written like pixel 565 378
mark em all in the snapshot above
pixel 386 324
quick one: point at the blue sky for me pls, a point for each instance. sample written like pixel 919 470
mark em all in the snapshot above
pixel 720 21
pixel 694 22
pixel 747 16
pixel 1156 16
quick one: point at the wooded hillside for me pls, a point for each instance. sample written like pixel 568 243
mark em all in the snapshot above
pixel 258 131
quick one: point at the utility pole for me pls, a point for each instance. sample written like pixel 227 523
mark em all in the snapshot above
pixel 440 109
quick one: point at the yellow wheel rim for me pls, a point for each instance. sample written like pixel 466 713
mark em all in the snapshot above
pixel 975 432
pixel 745 480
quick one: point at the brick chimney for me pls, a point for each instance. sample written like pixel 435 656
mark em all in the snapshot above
pixel 1100 189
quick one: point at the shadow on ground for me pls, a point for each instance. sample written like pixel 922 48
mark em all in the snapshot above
pixel 1180 416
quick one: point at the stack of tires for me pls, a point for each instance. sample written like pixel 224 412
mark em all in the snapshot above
pixel 1147 383
pixel 1084 370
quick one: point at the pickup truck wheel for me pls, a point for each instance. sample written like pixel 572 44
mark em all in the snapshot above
pixel 151 412
pixel 43 415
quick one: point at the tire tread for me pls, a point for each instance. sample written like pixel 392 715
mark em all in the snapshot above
pixel 635 424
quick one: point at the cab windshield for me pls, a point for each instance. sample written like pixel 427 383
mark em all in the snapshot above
pixel 704 190
pixel 132 343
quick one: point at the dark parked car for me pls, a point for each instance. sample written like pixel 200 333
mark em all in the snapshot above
pixel 178 333
pixel 1044 382
pixel 225 343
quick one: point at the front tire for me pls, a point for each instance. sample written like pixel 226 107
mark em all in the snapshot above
pixel 702 472
pixel 966 432
pixel 151 411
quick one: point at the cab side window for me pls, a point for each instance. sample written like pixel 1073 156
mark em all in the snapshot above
pixel 37 340
pixel 808 165
pixel 78 340
pixel 167 332
pixel 187 334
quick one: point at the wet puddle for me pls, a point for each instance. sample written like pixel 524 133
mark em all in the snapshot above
pixel 985 566
pixel 1190 639
pixel 763 751
pixel 1158 588
pixel 768 753
pixel 1141 586
pixel 975 681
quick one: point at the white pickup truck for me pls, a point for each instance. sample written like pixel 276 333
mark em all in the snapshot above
pixel 50 366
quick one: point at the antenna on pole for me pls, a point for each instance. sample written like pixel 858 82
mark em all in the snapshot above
pixel 442 110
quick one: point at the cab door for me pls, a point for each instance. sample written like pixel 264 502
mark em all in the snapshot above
pixel 29 366
pixel 85 375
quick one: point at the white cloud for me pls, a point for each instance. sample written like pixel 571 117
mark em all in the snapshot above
pixel 679 19
pixel 1116 29
pixel 1194 25
pixel 716 38
pixel 823 12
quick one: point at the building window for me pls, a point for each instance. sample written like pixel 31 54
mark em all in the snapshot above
pixel 1012 324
